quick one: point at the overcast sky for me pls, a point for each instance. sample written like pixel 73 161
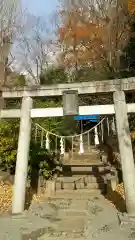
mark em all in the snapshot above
pixel 41 7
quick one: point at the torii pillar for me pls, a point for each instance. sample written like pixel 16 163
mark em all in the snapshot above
pixel 126 152
pixel 19 191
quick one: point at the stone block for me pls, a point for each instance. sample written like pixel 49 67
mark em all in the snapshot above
pixel 50 188
pixel 79 185
pixel 101 168
pixel 72 224
pixel 112 183
pixel 103 158
pixel 69 185
pixel 66 156
pixel 58 185
pixel 88 178
pixel 125 218
pixel 96 186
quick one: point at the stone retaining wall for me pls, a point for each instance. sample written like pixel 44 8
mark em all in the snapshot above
pixel 111 149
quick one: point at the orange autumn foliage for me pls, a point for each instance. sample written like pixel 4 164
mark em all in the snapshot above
pixel 81 39
pixel 83 31
pixel 88 39
pixel 131 6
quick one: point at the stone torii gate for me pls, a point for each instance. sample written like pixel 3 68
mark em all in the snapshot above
pixel 117 87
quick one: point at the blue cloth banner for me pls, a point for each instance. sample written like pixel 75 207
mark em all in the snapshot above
pixel 92 118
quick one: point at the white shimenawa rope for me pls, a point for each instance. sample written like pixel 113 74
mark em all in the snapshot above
pixel 81 145
pixel 96 136
pixel 62 148
pixel 47 143
pixel 102 132
pixel 108 127
pixel 63 138
pixel 69 136
pixel 113 125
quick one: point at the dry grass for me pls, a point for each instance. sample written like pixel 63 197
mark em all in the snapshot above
pixel 6 190
pixel 117 197
pixel 120 190
pixel 5 197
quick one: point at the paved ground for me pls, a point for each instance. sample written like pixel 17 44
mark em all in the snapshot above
pixel 78 218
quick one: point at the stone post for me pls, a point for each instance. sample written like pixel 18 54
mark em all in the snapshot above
pixel 81 150
pixel 113 127
pixel 1 102
pixel 19 192
pixel 96 136
pixel 125 147
pixel 105 131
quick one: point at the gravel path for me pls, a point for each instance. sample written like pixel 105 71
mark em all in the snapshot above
pixel 94 219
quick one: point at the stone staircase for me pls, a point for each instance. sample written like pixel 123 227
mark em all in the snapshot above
pixel 82 173
pixel 77 209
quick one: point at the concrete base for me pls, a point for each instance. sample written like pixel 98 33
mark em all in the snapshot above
pixel 66 156
pixel 111 184
pixel 2 102
pixel 50 188
pixel 125 218
pixel 41 185
pixel 103 158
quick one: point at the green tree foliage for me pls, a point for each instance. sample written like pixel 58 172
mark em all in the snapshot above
pixel 40 161
pixel 39 158
pixel 53 75
pixel 8 143
pixel 52 123
pixel 21 80
pixel 85 74
pixel 9 131
pixel 128 60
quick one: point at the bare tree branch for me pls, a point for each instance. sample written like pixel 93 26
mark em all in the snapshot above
pixel 34 51
pixel 9 23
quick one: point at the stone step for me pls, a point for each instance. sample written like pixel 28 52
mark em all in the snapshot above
pixel 83 160
pixel 91 163
pixel 86 148
pixel 86 179
pixel 85 169
pixel 76 194
pixel 100 185
pixel 61 236
pixel 80 183
pixel 86 155
pixel 82 163
pixel 98 178
pixel 70 226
